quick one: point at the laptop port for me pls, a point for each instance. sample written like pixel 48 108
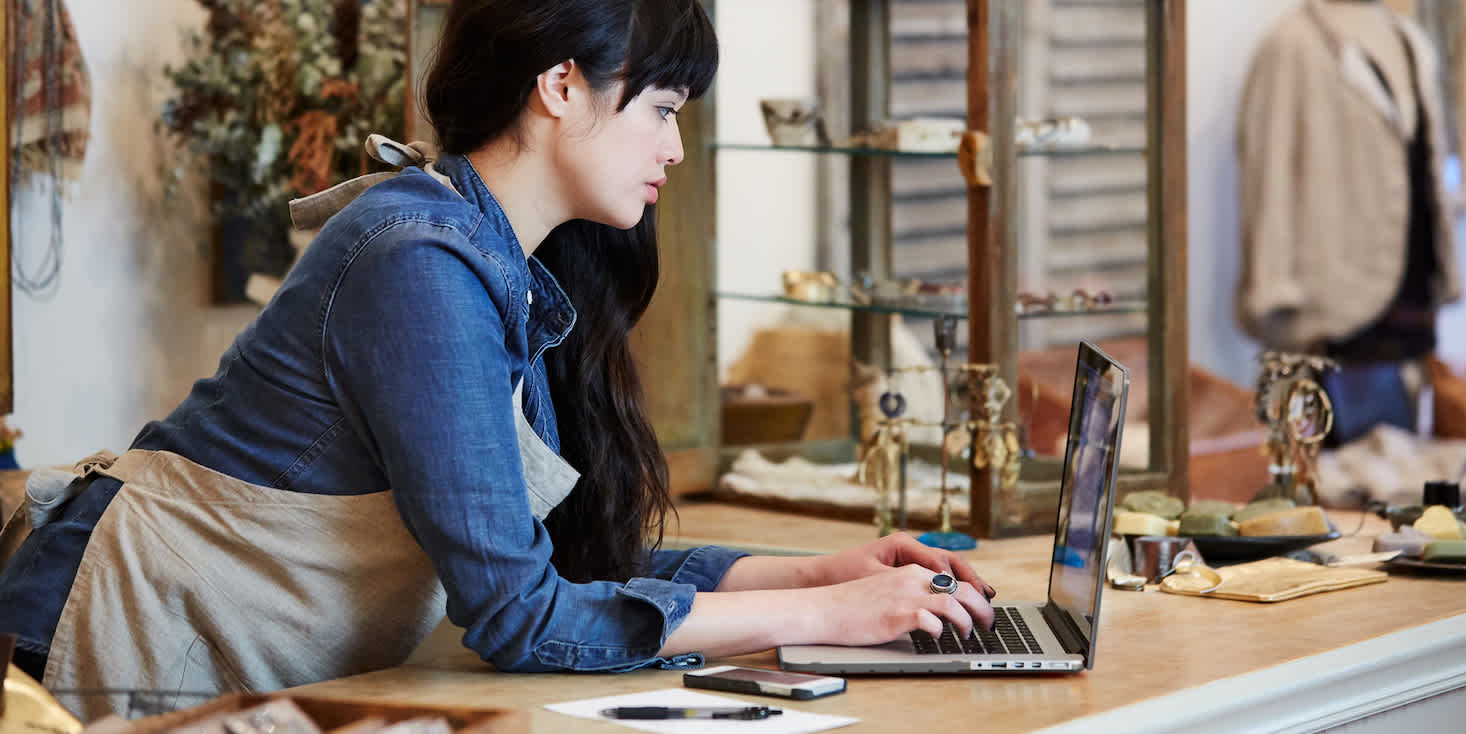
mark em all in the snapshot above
pixel 1000 665
pixel 1017 665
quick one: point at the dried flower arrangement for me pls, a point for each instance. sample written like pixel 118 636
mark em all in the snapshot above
pixel 278 96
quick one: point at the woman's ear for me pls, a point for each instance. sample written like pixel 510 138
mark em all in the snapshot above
pixel 554 87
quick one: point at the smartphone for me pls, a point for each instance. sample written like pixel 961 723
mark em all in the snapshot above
pixel 798 686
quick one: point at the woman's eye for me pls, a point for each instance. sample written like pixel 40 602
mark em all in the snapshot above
pixel 666 112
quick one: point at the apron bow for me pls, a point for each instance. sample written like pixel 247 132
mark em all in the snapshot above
pixel 310 212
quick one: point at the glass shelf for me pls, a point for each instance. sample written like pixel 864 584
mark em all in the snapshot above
pixel 1057 152
pixel 931 311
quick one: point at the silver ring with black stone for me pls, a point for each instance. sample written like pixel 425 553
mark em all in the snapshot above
pixel 943 584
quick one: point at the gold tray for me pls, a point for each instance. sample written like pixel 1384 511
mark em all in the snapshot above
pixel 1279 579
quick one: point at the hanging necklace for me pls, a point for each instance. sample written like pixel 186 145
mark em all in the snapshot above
pixel 44 277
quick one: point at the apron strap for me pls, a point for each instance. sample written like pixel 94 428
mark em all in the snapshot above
pixel 311 212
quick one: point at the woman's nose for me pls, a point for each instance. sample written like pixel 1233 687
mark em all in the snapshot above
pixel 672 153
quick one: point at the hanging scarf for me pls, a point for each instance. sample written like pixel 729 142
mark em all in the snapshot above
pixel 51 111
pixel 51 91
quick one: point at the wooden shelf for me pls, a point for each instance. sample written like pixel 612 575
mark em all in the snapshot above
pixel 958 310
pixel 1072 151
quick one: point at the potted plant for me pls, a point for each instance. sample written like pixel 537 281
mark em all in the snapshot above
pixel 277 97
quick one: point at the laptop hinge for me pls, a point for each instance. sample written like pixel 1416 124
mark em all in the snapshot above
pixel 1064 628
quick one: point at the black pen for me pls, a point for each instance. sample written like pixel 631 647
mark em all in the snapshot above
pixel 744 713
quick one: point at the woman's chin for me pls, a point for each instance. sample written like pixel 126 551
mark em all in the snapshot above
pixel 622 220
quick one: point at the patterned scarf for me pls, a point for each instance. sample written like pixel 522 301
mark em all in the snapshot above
pixel 50 106
pixel 49 86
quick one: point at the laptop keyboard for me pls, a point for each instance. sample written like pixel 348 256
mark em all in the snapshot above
pixel 1010 636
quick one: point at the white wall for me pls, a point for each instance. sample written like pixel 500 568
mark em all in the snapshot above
pixel 127 331
pixel 766 200
pixel 1220 39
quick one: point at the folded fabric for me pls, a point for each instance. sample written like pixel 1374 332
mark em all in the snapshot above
pixel 1389 464
pixel 799 480
pixel 49 488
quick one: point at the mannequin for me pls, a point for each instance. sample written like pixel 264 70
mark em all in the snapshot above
pixel 1347 251
pixel 1405 330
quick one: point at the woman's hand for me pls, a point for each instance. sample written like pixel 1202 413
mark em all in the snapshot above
pixel 894 551
pixel 884 606
pixel 871 610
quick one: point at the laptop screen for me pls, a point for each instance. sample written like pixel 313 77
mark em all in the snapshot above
pixel 1086 494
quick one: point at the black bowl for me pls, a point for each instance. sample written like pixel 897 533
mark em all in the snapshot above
pixel 1215 548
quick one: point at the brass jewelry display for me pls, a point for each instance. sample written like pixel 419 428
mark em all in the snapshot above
pixel 979 436
pixel 1296 410
pixel 997 441
pixel 883 468
pixel 1078 300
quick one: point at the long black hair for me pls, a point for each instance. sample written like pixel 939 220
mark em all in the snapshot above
pixel 485 69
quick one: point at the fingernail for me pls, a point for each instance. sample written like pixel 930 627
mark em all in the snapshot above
pixel 989 592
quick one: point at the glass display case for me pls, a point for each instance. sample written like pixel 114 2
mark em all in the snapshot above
pixel 997 35
pixel 684 320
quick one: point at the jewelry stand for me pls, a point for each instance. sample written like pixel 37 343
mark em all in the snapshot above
pixel 944 536
pixel 1298 414
pixel 984 441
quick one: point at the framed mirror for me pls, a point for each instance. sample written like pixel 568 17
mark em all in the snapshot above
pixel 7 373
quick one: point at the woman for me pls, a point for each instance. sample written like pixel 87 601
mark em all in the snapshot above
pixel 402 426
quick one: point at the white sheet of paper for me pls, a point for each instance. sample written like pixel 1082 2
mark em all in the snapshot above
pixel 790 722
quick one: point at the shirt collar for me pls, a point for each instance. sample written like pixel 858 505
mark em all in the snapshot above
pixel 472 188
pixel 550 314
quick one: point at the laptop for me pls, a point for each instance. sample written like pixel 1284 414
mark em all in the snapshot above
pixel 1057 635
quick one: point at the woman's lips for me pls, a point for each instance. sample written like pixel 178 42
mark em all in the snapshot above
pixel 652 192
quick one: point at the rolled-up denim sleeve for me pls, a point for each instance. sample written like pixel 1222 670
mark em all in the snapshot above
pixel 415 351
pixel 703 567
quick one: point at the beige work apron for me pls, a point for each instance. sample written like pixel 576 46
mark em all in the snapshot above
pixel 198 582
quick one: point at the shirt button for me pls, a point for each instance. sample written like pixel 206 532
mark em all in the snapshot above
pixel 529 298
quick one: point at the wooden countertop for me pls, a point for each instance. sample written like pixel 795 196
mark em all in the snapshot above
pixel 1150 645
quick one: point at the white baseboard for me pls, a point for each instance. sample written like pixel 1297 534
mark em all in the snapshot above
pixel 1307 695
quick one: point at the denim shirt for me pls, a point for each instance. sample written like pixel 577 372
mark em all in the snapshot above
pixel 388 360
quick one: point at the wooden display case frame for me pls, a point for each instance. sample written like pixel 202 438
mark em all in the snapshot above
pixel 994 30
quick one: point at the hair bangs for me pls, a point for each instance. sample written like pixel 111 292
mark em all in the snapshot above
pixel 671 45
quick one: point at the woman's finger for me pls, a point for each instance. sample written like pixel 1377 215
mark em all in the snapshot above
pixel 966 609
pixel 928 622
pixel 911 550
pixel 975 603
pixel 948 561
pixel 951 610
pixel 953 607
pixel 965 572
pixel 923 573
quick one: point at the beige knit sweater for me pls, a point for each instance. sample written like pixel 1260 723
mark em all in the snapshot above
pixel 1325 184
